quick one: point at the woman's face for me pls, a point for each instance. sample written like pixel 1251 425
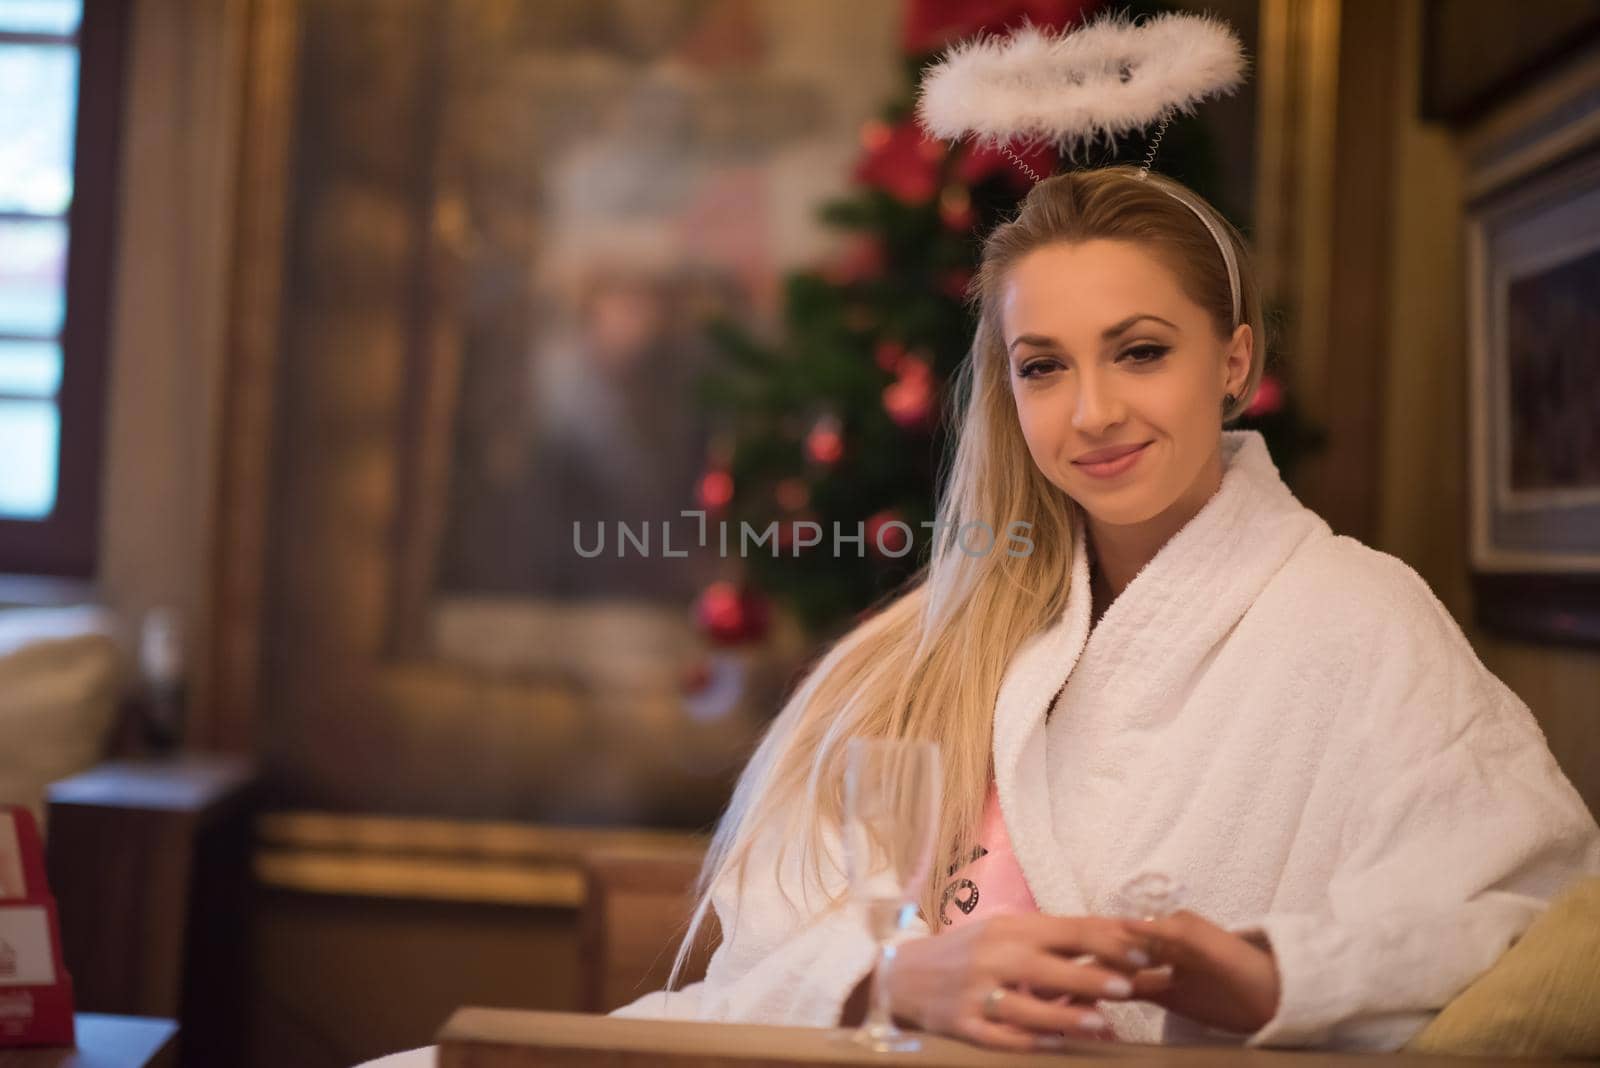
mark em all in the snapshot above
pixel 1118 377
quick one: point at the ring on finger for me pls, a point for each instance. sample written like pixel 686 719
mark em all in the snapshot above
pixel 991 1002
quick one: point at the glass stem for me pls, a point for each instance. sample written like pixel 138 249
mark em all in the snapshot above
pixel 879 1018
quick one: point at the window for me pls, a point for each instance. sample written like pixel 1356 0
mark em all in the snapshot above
pixel 60 92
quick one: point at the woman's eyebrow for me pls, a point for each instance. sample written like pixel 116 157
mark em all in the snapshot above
pixel 1105 335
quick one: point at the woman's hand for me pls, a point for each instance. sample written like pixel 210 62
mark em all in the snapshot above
pixel 1218 978
pixel 940 982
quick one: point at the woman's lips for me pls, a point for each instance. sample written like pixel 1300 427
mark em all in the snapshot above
pixel 1119 461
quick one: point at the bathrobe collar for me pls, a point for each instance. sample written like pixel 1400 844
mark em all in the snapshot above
pixel 1148 644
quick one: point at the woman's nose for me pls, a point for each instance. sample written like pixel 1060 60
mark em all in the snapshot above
pixel 1097 406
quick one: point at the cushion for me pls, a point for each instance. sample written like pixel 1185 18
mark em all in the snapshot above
pixel 61 675
pixel 1540 999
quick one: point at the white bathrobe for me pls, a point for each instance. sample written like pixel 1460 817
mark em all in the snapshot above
pixel 1282 718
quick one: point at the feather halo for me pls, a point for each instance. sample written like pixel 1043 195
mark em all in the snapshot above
pixel 1109 77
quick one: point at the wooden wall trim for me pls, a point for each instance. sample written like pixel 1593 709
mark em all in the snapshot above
pixel 479 839
pixel 1324 192
pixel 1294 182
pixel 444 860
pixel 433 356
pixel 1349 492
pixel 411 878
pixel 228 682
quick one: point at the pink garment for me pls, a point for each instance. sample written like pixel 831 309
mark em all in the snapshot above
pixel 991 883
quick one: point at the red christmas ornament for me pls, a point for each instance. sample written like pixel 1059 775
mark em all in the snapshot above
pixel 824 443
pixel 875 134
pixel 1268 398
pixel 901 160
pixel 885 541
pixel 728 615
pixel 715 490
pixel 909 399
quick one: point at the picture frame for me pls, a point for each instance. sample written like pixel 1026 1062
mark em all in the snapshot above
pixel 392 189
pixel 1533 274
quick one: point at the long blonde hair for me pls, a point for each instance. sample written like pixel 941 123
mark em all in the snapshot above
pixel 928 665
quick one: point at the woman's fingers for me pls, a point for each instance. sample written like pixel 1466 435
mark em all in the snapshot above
pixel 995 1034
pixel 1182 939
pixel 1053 970
pixel 1043 970
pixel 1150 982
pixel 1106 938
pixel 1219 977
pixel 1022 1009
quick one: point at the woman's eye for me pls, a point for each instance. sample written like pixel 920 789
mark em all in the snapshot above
pixel 1035 368
pixel 1147 353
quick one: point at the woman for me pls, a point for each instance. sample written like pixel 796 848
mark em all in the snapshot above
pixel 1189 674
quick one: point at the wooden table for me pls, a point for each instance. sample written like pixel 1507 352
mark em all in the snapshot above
pixel 105 1042
pixel 500 1038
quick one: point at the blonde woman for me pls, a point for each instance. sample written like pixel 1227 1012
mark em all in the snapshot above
pixel 1190 674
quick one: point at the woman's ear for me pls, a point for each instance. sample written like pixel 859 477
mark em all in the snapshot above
pixel 1236 363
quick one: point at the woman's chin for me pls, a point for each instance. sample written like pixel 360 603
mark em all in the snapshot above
pixel 1119 517
pixel 1122 506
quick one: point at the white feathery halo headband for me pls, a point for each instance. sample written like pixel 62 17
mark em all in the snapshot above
pixel 1108 77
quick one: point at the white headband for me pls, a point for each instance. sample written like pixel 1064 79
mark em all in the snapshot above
pixel 1222 243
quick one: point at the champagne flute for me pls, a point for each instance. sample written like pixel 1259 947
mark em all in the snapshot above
pixel 891 820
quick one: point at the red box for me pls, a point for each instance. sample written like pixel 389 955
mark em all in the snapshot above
pixel 35 989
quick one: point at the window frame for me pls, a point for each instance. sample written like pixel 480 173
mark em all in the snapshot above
pixel 66 542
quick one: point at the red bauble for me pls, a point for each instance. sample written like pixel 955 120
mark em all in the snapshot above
pixel 909 399
pixel 824 442
pixel 1268 398
pixel 894 540
pixel 901 160
pixel 728 615
pixel 715 490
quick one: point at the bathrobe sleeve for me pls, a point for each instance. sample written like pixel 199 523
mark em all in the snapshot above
pixel 776 964
pixel 1458 827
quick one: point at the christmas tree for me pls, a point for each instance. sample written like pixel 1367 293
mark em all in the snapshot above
pixel 838 425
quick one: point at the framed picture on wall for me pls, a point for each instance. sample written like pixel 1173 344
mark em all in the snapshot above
pixel 1533 248
pixel 478 241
